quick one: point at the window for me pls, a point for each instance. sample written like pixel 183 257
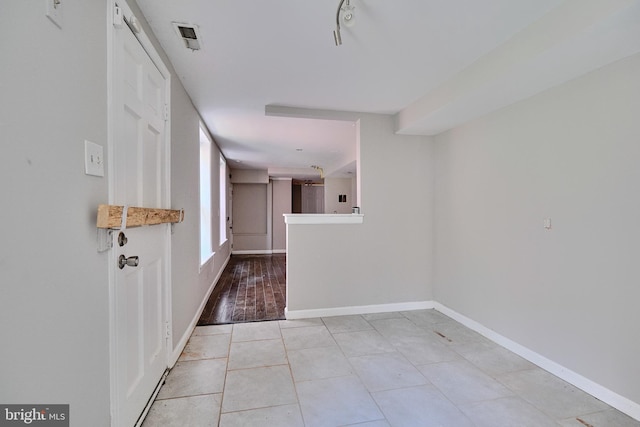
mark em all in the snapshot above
pixel 206 247
pixel 223 200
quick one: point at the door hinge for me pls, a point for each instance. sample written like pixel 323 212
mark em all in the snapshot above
pixel 166 112
pixel 118 17
pixel 167 330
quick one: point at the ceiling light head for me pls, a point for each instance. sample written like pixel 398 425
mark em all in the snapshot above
pixel 348 16
pixel 345 16
pixel 336 37
pixel 319 169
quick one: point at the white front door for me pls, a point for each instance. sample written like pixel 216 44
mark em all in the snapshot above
pixel 139 303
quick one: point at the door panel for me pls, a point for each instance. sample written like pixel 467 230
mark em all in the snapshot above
pixel 151 168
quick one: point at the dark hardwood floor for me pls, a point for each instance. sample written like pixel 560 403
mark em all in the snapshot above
pixel 251 288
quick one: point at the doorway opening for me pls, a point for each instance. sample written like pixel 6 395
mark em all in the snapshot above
pixel 307 196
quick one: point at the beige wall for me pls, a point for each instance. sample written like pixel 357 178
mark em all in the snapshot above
pixel 334 187
pixel 251 218
pixel 191 282
pixel 281 205
pixel 249 176
pixel 250 209
pixel 569 293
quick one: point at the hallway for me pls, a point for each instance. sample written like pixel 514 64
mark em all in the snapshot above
pixel 252 288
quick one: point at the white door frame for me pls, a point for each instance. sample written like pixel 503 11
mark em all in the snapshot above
pixel 147 45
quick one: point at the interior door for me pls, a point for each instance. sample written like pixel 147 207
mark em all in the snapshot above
pixel 140 333
pixel 313 199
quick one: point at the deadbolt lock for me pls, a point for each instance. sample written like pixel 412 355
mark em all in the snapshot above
pixel 122 239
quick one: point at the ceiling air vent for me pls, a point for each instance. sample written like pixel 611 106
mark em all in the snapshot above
pixel 189 34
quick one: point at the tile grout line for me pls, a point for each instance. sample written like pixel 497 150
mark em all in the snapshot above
pixel 293 381
pixel 226 371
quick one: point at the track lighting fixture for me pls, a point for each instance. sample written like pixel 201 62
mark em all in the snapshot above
pixel 319 169
pixel 344 14
pixel 348 16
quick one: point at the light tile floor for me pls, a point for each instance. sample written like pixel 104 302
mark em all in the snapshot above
pixel 417 368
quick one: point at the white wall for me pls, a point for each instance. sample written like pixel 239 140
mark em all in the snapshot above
pixel 385 260
pixel 570 293
pixel 54 287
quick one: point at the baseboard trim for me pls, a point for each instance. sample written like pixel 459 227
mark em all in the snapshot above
pixel 598 391
pixel 279 251
pixel 360 309
pixel 253 252
pixel 177 351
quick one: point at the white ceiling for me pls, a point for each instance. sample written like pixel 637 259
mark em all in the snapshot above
pixel 434 64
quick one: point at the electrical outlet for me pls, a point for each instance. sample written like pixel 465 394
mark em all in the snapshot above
pixel 54 11
pixel 93 159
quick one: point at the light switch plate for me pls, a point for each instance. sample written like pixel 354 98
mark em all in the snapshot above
pixel 54 11
pixel 93 159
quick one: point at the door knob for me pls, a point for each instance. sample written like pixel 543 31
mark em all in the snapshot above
pixel 132 261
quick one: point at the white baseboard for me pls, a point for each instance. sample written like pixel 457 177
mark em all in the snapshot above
pixel 279 251
pixel 177 351
pixel 611 398
pixel 361 309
